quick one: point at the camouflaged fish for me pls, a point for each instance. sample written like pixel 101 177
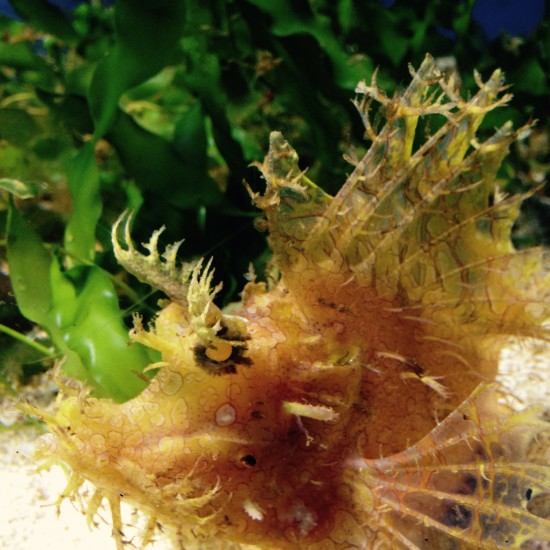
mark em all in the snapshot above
pixel 347 403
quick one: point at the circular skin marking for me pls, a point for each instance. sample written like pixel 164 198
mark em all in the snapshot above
pixel 226 415
pixel 157 419
pixel 98 442
pixel 171 383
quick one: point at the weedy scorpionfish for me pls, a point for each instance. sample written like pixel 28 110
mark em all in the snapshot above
pixel 350 401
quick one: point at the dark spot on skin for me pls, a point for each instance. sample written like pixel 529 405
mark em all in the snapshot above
pixel 469 485
pixel 361 408
pixel 246 361
pixel 337 307
pixel 256 415
pixel 457 516
pixel 222 331
pixel 249 460
pixel 465 417
pixel 529 494
pixel 415 366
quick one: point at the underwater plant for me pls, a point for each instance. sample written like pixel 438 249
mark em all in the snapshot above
pixel 348 401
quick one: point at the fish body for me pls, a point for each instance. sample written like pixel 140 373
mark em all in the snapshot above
pixel 348 402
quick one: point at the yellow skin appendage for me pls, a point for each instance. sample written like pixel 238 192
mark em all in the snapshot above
pixel 349 402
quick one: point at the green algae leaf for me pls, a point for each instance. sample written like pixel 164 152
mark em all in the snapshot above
pixel 190 137
pixel 134 57
pixel 21 189
pixel 531 78
pixel 29 263
pixel 204 78
pixel 147 156
pixel 87 312
pixel 346 14
pixel 85 191
pixel 30 267
pixel 151 160
pixel 17 127
pixel 287 21
pixel 79 309
pixel 19 55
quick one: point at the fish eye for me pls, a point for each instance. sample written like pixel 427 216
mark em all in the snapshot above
pixel 219 351
pixel 221 357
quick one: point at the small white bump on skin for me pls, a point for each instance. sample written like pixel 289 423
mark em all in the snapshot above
pixel 299 514
pixel 253 510
pixel 225 415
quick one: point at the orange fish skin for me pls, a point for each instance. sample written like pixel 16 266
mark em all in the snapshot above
pixel 348 403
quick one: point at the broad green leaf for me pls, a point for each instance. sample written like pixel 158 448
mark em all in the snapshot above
pixel 287 21
pixel 87 313
pixel 156 166
pixel 19 55
pixel 152 86
pixel 531 78
pixel 43 16
pixel 190 137
pixel 85 190
pixel 346 14
pixel 134 196
pixel 147 34
pixel 461 22
pixel 393 40
pixel 49 147
pixel 72 365
pixel 204 79
pixel 17 126
pixel 29 263
pixel 64 297
pixel 71 110
pixel 80 311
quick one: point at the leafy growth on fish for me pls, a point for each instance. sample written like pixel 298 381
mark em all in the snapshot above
pixel 348 404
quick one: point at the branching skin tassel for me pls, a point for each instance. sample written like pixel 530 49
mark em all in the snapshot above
pixel 350 403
